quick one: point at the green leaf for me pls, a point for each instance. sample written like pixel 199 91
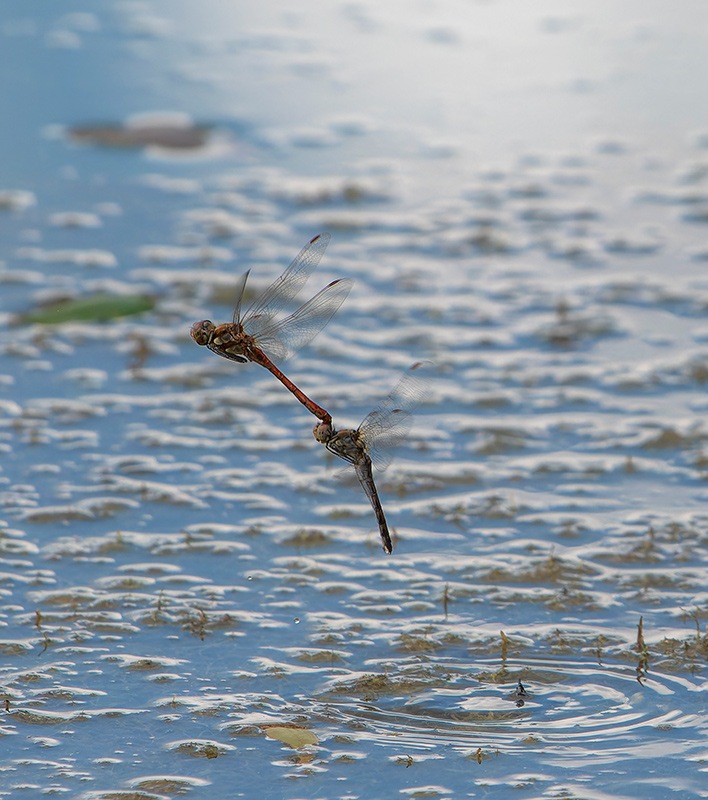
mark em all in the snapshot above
pixel 93 308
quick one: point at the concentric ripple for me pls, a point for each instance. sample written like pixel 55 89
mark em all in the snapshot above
pixel 566 704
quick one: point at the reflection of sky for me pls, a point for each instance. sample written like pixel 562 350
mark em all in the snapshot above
pixel 472 77
pixel 553 488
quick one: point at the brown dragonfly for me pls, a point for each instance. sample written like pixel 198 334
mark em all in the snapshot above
pixel 263 336
pixel 372 442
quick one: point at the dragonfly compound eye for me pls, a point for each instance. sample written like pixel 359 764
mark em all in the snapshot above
pixel 202 331
pixel 322 432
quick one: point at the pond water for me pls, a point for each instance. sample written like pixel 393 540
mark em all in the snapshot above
pixel 194 597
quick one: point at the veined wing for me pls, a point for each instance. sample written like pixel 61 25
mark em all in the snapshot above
pixel 240 289
pixel 281 338
pixel 389 423
pixel 279 294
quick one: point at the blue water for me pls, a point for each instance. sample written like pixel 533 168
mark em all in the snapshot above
pixel 519 192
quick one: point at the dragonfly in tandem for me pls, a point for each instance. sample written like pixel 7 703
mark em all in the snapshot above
pixel 372 442
pixel 263 336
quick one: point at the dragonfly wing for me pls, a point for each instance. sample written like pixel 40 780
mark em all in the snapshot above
pixel 284 337
pixel 240 289
pixel 382 432
pixel 279 294
pixel 389 423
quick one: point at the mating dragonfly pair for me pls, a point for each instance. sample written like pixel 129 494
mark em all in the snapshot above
pixel 261 335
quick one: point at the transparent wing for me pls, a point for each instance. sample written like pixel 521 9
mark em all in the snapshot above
pixel 389 423
pixel 279 294
pixel 384 432
pixel 281 338
pixel 240 289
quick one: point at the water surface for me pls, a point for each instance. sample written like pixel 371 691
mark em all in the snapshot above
pixel 521 196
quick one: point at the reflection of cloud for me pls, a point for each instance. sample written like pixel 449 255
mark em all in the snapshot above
pixel 81 21
pixel 75 219
pixel 360 16
pixel 302 137
pixel 442 35
pixel 66 36
pixel 140 22
pixel 64 39
pixel 16 199
pixel 352 125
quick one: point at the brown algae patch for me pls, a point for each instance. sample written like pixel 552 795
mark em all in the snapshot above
pixel 200 622
pixel 550 569
pixel 680 655
pixel 139 135
pixel 323 656
pixel 168 784
pixel 678 541
pixel 201 748
pixel 306 538
pixel 571 328
pixel 123 794
pixel 366 686
pixel 81 510
pixel 418 642
pixel 144 663
pixel 32 716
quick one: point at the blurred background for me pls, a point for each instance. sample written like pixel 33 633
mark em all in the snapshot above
pixel 195 598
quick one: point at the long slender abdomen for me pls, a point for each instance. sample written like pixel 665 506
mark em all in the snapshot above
pixel 259 357
pixel 366 478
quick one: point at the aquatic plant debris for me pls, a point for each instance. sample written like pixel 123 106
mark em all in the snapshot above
pixel 92 308
pixel 137 136
pixel 291 735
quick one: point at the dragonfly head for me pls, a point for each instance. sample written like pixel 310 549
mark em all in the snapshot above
pixel 323 432
pixel 202 331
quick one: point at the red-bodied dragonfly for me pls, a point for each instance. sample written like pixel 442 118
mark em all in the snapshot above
pixel 372 442
pixel 264 337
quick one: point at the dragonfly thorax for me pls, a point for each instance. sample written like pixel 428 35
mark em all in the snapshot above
pixel 230 341
pixel 346 445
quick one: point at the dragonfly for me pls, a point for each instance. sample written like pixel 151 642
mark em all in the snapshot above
pixel 372 442
pixel 263 336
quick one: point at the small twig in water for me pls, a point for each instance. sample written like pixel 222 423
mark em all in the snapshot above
pixel 641 647
pixel 504 645
pixel 38 626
